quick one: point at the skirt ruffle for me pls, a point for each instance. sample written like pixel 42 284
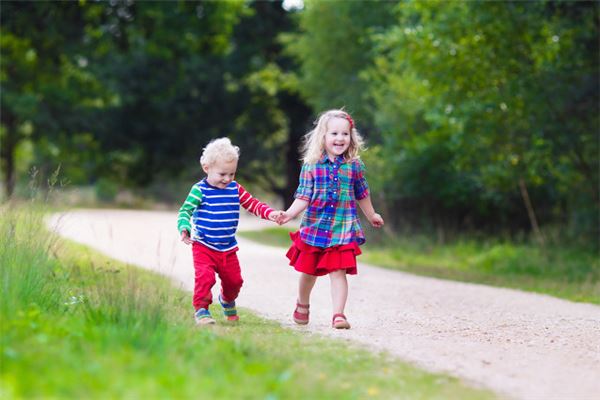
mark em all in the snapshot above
pixel 320 261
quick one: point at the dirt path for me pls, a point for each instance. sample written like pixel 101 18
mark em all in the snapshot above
pixel 518 344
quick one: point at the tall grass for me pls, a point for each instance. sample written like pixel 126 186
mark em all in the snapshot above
pixel 26 268
pixel 76 324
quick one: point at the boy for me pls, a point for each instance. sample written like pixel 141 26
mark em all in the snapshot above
pixel 208 221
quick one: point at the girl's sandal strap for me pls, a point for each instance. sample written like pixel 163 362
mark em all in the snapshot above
pixel 339 321
pixel 301 318
pixel 304 306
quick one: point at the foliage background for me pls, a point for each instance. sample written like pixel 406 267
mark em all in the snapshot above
pixel 480 116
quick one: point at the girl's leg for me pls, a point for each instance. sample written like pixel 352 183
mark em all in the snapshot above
pixel 305 286
pixel 339 290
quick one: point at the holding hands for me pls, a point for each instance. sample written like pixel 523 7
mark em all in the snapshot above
pixel 280 217
pixel 275 215
pixel 284 218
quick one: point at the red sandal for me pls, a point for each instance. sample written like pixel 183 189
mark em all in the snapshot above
pixel 301 318
pixel 339 321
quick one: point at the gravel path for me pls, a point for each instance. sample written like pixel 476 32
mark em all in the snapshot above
pixel 520 345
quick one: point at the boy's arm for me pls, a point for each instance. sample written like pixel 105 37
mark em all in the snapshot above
pixel 254 205
pixel 192 201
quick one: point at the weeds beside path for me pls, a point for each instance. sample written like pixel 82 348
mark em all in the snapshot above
pixel 77 324
pixel 521 344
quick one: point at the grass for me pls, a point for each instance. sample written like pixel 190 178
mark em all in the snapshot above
pixel 569 273
pixel 76 324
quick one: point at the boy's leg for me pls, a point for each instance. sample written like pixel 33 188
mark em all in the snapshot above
pixel 204 280
pixel 231 276
pixel 231 282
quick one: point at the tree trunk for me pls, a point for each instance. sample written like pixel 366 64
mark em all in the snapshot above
pixel 7 153
pixel 530 212
pixel 299 115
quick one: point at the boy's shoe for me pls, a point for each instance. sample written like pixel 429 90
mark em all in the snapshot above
pixel 229 310
pixel 203 317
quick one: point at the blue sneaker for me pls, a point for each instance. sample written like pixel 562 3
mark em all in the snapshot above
pixel 229 310
pixel 203 317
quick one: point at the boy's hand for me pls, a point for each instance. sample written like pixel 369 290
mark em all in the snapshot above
pixel 274 216
pixel 185 237
pixel 376 220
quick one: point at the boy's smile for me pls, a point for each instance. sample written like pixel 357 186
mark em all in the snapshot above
pixel 220 173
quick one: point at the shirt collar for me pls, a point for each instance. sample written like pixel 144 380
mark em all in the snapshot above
pixel 324 159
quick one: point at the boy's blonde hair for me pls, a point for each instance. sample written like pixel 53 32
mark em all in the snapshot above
pixel 314 141
pixel 219 149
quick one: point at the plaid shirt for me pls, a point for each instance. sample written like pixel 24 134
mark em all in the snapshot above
pixel 332 188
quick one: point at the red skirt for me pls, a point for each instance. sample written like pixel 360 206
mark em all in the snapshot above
pixel 320 261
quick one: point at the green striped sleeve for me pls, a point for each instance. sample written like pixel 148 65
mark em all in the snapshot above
pixel 192 201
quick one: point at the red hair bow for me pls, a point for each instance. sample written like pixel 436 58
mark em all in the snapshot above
pixel 350 120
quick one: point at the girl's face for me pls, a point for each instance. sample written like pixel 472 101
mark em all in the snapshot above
pixel 337 137
pixel 220 173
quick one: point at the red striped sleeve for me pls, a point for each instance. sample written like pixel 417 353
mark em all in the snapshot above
pixel 253 205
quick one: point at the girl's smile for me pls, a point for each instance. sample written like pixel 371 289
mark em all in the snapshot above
pixel 337 137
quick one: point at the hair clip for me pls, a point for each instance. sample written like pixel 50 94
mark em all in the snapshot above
pixel 350 120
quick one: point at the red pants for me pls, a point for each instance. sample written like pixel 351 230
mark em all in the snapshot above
pixel 208 261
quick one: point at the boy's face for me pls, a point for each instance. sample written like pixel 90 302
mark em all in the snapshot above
pixel 220 173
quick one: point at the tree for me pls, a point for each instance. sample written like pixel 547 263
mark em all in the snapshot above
pixel 334 47
pixel 140 83
pixel 507 92
pixel 45 87
pixel 272 116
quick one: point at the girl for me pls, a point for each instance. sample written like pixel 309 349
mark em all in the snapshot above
pixel 332 181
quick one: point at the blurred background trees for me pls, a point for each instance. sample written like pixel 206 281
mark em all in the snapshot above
pixel 479 116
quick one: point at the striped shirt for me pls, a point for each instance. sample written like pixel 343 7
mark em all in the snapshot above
pixel 212 214
pixel 332 188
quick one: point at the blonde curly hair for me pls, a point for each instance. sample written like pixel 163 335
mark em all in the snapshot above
pixel 219 149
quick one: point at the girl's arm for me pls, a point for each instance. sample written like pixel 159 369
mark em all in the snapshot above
pixel 367 208
pixel 296 208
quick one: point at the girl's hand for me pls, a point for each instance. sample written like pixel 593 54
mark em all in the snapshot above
pixel 284 217
pixel 185 237
pixel 376 220
pixel 275 215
